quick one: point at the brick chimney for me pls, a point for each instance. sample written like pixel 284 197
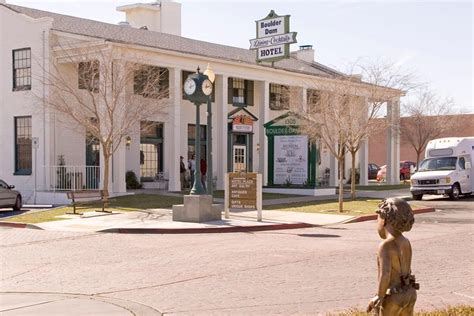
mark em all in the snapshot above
pixel 161 16
pixel 305 53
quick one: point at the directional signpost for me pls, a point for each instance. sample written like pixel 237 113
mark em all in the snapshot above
pixel 244 192
pixel 273 38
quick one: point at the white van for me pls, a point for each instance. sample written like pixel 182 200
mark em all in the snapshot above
pixel 446 169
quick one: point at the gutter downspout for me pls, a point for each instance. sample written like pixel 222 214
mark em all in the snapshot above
pixel 44 109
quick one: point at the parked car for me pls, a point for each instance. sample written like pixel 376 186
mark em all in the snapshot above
pixel 405 170
pixel 9 197
pixel 373 170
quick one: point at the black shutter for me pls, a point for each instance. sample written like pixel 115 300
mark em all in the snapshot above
pixel 249 92
pixel 230 91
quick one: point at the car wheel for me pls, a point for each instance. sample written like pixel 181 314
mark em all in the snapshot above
pixel 18 204
pixel 417 197
pixel 455 192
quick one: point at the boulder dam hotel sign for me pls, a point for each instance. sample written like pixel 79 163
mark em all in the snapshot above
pixel 273 38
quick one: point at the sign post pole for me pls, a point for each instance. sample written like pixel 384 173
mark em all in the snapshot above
pixel 226 196
pixel 259 197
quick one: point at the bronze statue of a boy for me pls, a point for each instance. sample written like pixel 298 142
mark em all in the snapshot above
pixel 396 293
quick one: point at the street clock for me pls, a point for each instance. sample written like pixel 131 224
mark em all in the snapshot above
pixel 197 87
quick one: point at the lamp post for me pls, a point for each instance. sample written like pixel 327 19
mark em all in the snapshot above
pixel 210 74
pixel 198 89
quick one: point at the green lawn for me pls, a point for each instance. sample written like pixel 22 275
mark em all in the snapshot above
pixel 379 187
pixel 356 207
pixel 123 203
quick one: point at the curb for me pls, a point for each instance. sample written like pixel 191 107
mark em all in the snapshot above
pixel 373 217
pixel 206 230
pixel 19 225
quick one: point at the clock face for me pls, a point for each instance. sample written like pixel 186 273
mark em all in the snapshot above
pixel 189 86
pixel 207 87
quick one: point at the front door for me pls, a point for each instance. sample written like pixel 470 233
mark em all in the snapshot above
pixel 239 158
pixel 464 165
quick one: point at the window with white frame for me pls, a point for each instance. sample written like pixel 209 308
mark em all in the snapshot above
pixel 151 82
pixel 88 75
pixel 23 160
pixel 240 92
pixel 313 99
pixel 21 69
pixel 279 97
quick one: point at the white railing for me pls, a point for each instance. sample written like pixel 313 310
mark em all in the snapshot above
pixel 72 178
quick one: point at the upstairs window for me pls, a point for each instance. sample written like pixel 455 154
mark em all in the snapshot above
pixel 279 97
pixel 21 69
pixel 313 99
pixel 23 161
pixel 88 75
pixel 240 92
pixel 151 82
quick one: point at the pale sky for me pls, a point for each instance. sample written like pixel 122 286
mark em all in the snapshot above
pixel 431 38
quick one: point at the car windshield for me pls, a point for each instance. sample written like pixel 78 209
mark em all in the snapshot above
pixel 445 163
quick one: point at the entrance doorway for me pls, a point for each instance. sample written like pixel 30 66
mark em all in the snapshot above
pixel 151 150
pixel 239 158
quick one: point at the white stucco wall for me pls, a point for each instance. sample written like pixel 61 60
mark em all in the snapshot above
pixel 61 139
pixel 26 33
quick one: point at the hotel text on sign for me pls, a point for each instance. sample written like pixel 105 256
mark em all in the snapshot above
pixel 273 38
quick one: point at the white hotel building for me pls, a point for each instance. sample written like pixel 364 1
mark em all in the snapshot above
pixel 42 156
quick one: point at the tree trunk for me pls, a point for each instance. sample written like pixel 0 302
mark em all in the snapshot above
pixel 418 153
pixel 341 188
pixel 106 178
pixel 353 176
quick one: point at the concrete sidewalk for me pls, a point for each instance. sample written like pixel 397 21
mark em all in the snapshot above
pixel 160 221
pixel 20 303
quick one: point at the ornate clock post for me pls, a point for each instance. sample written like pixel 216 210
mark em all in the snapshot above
pixel 197 207
pixel 198 88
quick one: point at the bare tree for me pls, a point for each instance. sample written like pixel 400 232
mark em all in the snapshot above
pixel 427 119
pixel 105 91
pixel 383 82
pixel 328 124
pixel 344 110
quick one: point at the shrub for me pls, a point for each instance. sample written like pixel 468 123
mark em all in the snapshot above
pixel 132 180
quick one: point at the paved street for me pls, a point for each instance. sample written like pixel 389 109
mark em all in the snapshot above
pixel 307 271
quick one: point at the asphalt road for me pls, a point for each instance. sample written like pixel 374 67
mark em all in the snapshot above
pixel 304 272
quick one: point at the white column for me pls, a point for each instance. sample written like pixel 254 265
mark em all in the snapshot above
pixel 396 137
pixel 118 169
pixel 220 127
pixel 263 88
pixel 363 163
pixel 393 142
pixel 364 153
pixel 172 132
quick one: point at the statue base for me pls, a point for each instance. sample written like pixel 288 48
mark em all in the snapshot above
pixel 197 209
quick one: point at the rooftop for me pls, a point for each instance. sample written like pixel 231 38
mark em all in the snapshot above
pixel 129 35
